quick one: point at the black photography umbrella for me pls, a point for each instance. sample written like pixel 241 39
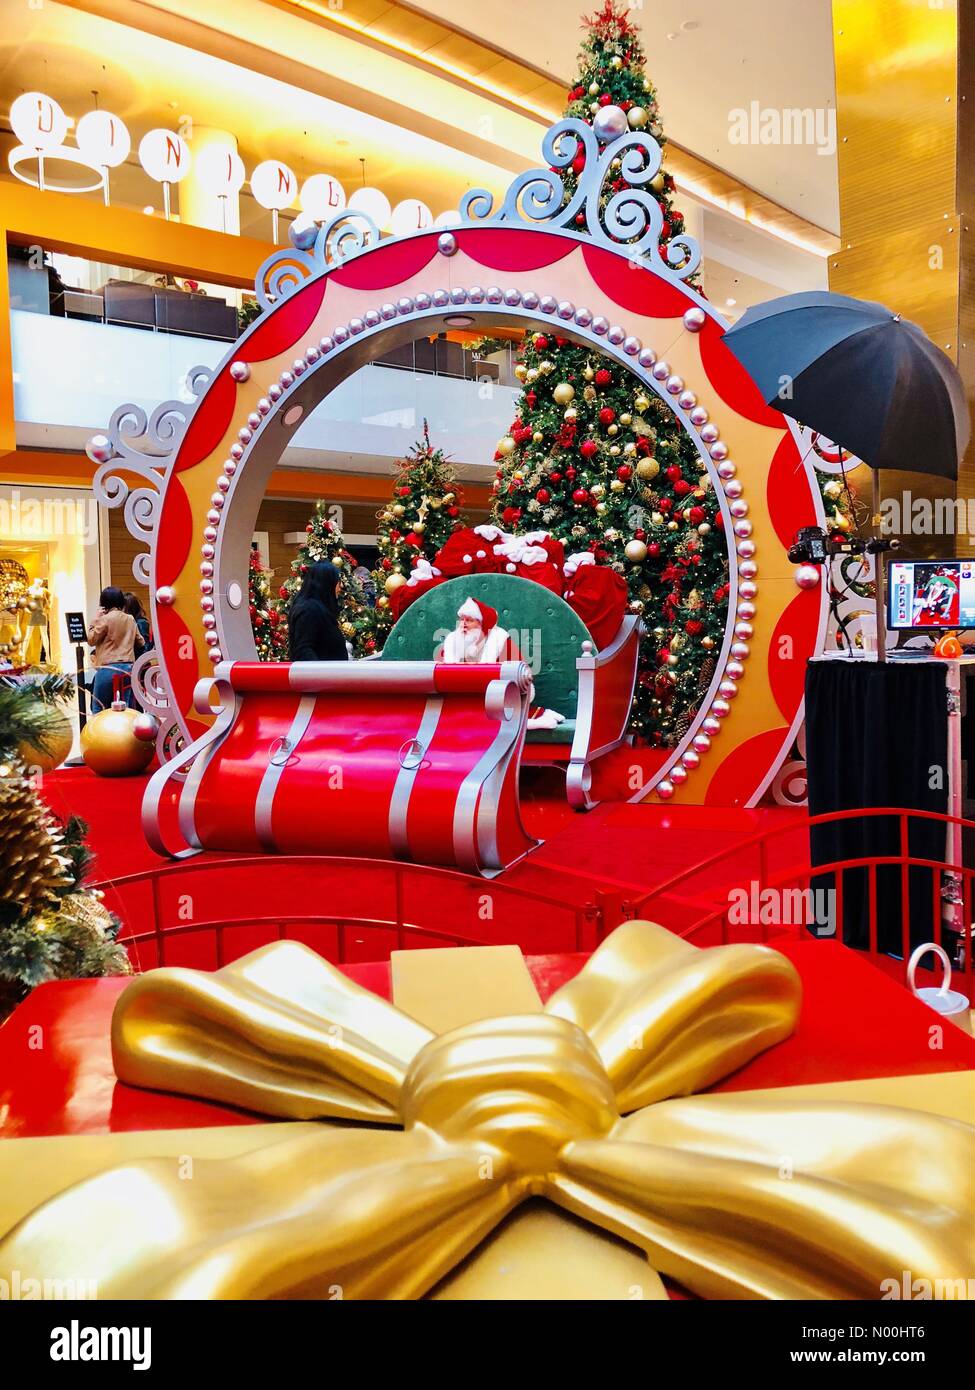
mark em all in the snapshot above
pixel 860 374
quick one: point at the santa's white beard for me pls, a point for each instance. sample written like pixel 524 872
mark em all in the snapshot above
pixel 472 643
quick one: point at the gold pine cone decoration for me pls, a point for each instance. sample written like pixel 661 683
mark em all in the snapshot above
pixel 31 871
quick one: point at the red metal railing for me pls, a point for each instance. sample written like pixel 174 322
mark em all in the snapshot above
pixel 714 923
pixel 400 901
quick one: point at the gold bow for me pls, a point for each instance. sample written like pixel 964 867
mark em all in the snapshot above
pixel 734 1197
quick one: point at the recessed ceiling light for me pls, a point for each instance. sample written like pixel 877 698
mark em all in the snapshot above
pixel 149 211
pixel 731 303
pixel 459 320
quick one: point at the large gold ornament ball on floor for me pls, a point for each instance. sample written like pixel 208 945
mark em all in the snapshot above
pixel 110 747
pixel 57 743
pixel 394 582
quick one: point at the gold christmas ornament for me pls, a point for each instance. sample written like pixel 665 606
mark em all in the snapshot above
pixel 382 601
pixel 448 497
pixel 538 437
pixel 435 504
pixel 564 392
pixel 58 739
pixel 109 745
pixel 626 418
pixel 600 508
pixel 694 600
pixel 704 529
pixel 594 89
pixel 641 404
pixel 597 489
pixel 419 527
pixel 647 468
pixel 546 367
pixel 398 509
pixel 707 642
pixel 521 371
pixel 506 445
pixel 657 182
pixel 671 525
pixel 635 552
pixel 833 489
pixel 531 375
pixel 629 449
pixel 616 62
pixel 614 450
pixel 613 429
pixel 394 581
pixel 588 373
pixel 657 518
pixel 617 485
pixel 637 117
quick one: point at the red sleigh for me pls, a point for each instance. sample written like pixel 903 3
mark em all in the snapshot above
pixel 413 760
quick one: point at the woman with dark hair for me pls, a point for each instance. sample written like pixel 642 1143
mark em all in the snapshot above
pixel 135 610
pixel 313 618
pixel 114 639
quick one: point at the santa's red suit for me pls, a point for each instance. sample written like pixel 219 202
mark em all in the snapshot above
pixel 487 643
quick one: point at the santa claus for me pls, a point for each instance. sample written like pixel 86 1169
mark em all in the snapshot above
pixel 477 638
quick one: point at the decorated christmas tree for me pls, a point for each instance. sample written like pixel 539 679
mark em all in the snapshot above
pixel 325 542
pixel 51 927
pixel 270 631
pixel 606 467
pixel 419 518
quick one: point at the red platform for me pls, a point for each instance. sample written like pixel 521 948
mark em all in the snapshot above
pixel 55 1057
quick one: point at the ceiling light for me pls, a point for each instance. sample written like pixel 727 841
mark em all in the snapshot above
pixel 731 303
pixel 459 320
pixel 149 211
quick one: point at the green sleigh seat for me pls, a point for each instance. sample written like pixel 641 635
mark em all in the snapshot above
pixel 593 689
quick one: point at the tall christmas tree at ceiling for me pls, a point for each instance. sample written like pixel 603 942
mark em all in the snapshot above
pixel 424 509
pixel 326 542
pixel 605 466
pixel 267 624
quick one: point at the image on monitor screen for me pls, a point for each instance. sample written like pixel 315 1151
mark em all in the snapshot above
pixel 932 594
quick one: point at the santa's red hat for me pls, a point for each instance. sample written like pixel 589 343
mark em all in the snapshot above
pixel 482 613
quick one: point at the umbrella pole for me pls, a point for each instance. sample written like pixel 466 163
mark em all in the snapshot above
pixel 879 577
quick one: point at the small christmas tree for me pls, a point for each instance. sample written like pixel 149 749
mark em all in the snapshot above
pixel 50 926
pixel 424 509
pixel 325 542
pixel 605 466
pixel 270 632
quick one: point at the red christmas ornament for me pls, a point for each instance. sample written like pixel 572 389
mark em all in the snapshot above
pixel 578 164
pixel 697 515
pixel 665 505
pixel 274 616
pixel 308 529
pixel 570 473
pixel 693 628
pixel 414 539
pixel 624 471
pixel 604 99
pixel 639 534
pixel 662 656
pixel 387 564
pixel 580 219
pixel 672 473
pixel 653 549
pixel 682 487
pixel 258 621
pixel 607 415
pixel 588 448
pixel 542 495
pixel 403 491
pixel 511 515
pixel 282 592
pixel 580 495
pixel 453 511
pixel 603 377
pixel 540 342
pixel 556 477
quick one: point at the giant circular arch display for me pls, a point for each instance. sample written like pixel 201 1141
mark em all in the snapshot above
pixel 326 322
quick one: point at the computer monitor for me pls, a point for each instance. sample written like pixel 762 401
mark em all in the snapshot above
pixel 930 595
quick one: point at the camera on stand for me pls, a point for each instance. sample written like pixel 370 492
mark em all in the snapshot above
pixel 814 546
